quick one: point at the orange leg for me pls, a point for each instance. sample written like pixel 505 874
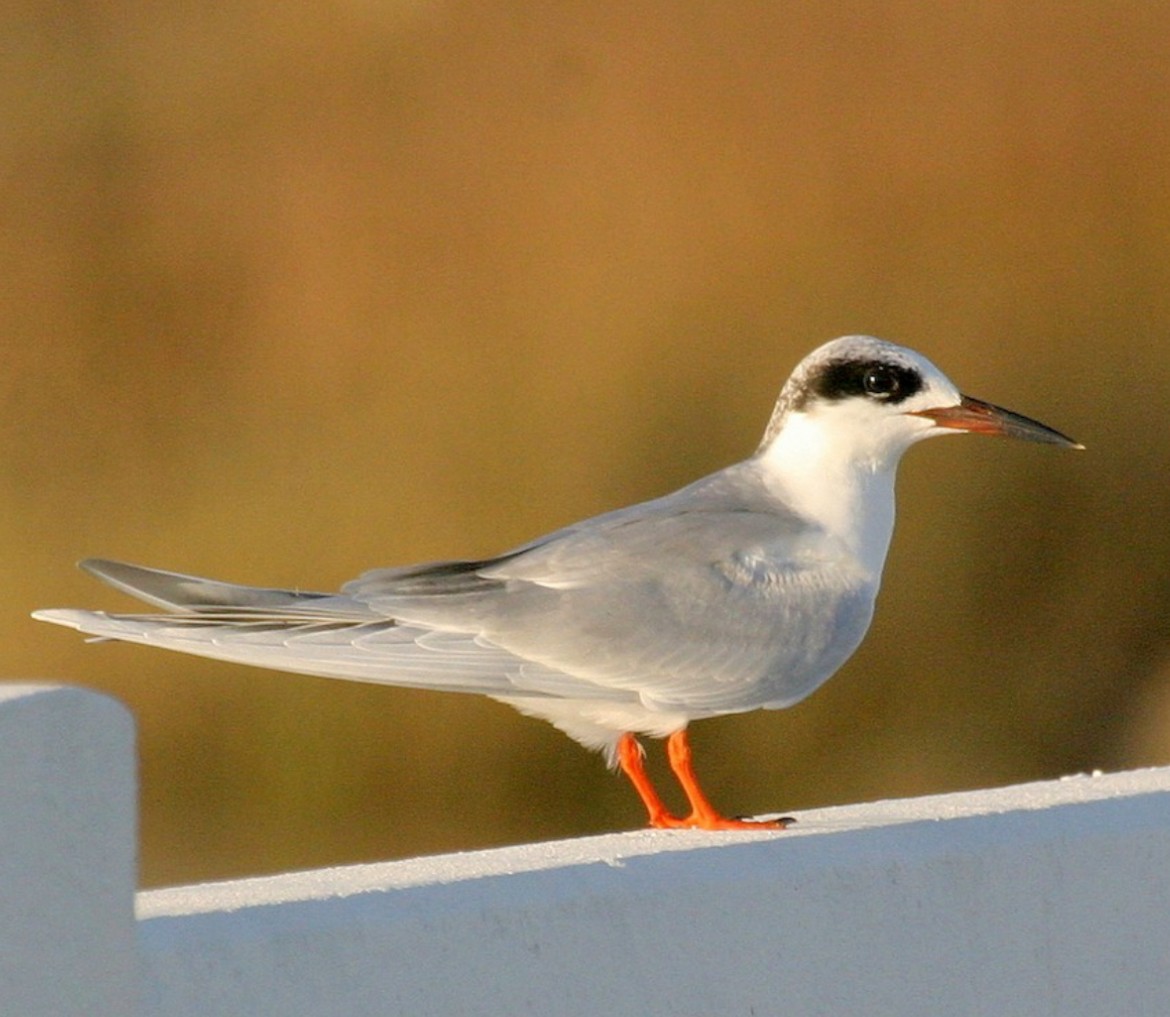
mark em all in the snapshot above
pixel 703 815
pixel 630 760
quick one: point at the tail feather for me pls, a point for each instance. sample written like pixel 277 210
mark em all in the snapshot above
pixel 300 640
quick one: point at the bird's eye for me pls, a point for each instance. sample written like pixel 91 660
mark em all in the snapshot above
pixel 881 382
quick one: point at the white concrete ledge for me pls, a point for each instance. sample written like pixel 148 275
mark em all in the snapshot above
pixel 1044 899
pixel 1048 898
pixel 67 853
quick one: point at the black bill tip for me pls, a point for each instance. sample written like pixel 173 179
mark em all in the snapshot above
pixel 979 417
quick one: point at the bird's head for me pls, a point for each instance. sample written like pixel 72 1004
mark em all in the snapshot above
pixel 864 400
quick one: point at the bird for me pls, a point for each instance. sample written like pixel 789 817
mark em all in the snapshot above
pixel 746 589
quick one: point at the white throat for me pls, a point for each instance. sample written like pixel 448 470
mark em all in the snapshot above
pixel 843 484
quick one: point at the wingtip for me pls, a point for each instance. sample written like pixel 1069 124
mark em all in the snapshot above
pixel 97 566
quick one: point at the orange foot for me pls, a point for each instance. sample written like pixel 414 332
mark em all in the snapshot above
pixel 703 815
pixel 666 821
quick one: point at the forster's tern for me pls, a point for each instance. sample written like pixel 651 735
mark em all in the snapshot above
pixel 744 590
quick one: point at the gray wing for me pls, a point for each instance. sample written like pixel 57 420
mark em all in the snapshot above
pixel 177 592
pixel 700 601
pixel 714 598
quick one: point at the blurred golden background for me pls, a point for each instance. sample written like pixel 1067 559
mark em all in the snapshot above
pixel 294 291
